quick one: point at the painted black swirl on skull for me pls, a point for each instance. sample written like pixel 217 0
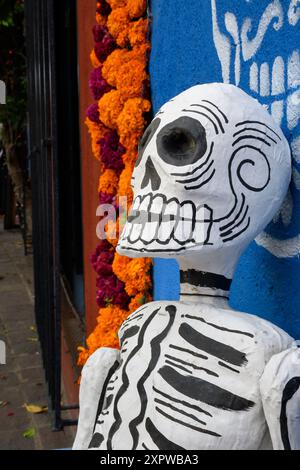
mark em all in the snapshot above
pixel 250 145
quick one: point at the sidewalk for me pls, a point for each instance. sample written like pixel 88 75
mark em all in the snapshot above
pixel 22 378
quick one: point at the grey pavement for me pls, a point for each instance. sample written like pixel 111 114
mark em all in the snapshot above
pixel 22 378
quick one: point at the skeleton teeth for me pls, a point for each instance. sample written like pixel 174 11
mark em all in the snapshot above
pixel 135 233
pixel 167 226
pixel 150 230
pixel 166 222
pixel 157 204
pixel 136 203
pixel 184 227
pixel 140 205
pixel 203 215
pixel 149 233
pixel 129 226
pixel 145 204
pixel 126 231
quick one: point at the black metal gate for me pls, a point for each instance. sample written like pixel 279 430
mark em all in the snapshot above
pixel 44 151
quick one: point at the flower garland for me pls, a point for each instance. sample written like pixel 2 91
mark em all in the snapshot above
pixel 120 86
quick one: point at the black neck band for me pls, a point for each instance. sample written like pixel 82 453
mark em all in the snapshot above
pixel 203 279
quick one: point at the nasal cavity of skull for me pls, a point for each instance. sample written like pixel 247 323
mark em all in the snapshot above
pixel 151 176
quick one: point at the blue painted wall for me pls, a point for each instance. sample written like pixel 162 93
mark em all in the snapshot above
pixel 185 52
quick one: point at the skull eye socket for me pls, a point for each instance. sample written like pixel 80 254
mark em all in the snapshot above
pixel 182 142
pixel 179 142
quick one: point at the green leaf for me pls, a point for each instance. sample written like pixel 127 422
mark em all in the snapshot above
pixel 142 300
pixel 30 433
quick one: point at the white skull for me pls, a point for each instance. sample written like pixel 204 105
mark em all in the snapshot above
pixel 212 171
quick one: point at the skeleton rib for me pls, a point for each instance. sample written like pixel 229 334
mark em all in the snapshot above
pixel 178 366
pixel 218 327
pixel 182 402
pixel 187 425
pixel 188 415
pixel 188 351
pixel 215 348
pixel 209 372
pixel 159 439
pixel 203 391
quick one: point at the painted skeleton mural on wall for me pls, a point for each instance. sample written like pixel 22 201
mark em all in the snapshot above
pixel 213 170
pixel 243 32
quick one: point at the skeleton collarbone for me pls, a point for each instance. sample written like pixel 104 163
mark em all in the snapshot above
pixel 188 373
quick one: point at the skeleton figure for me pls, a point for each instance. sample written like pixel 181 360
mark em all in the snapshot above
pixel 213 170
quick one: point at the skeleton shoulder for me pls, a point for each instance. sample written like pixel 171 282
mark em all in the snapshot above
pixel 280 392
pixel 267 332
pixel 140 316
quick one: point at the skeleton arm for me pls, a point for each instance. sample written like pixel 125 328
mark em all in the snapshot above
pixel 280 391
pixel 95 375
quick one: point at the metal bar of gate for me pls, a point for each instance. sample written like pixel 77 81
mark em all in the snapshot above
pixel 55 223
pixel 40 27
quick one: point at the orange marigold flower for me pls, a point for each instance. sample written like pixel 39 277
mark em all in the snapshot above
pixel 130 79
pixel 141 52
pixel 136 8
pixel 108 182
pixel 118 25
pixel 125 184
pixel 110 107
pixel 138 31
pixel 119 57
pixel 123 38
pixel 84 354
pixel 102 20
pixel 113 63
pixel 97 131
pixel 138 276
pixel 122 109
pixel 129 158
pixel 105 334
pixel 112 233
pixel 135 273
pixel 94 60
pixel 120 266
pixel 138 301
pixel 131 121
pixel 117 3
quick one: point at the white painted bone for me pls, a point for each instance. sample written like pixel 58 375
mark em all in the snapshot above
pixel 196 374
pixel 93 378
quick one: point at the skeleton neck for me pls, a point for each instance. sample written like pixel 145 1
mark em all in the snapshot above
pixel 197 286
